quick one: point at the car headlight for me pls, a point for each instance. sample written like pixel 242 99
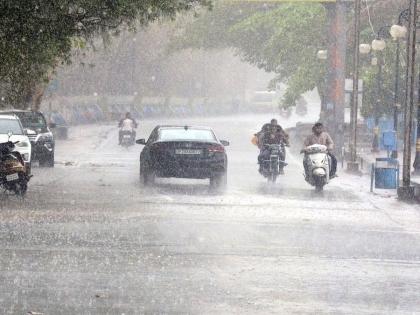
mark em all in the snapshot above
pixel 22 144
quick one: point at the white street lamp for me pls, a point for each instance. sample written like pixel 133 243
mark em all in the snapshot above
pixel 322 54
pixel 398 31
pixel 364 49
pixel 378 44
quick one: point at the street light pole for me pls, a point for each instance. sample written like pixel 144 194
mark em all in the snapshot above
pixel 353 166
pixel 375 143
pixel 398 32
pixel 394 154
pixel 407 190
pixel 416 163
pixel 378 45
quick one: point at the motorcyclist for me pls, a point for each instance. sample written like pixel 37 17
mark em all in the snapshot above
pixel 320 136
pixel 271 133
pixel 127 124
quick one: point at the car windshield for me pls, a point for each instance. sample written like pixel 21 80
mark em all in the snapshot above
pixel 32 120
pixel 12 125
pixel 186 134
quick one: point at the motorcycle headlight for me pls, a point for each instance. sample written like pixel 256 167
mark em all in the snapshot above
pixel 22 144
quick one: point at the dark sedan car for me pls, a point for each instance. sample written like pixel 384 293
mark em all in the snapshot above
pixel 183 152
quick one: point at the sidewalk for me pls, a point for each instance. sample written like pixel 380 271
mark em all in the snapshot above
pixel 366 159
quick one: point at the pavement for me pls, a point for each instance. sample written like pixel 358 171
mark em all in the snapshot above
pixel 370 157
pixel 89 239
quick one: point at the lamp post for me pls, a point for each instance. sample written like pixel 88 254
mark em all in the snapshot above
pixel 407 190
pixel 398 32
pixel 352 165
pixel 378 45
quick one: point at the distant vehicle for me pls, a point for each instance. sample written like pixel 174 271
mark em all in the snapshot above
pixel 42 140
pixel 264 100
pixel 10 124
pixel 183 152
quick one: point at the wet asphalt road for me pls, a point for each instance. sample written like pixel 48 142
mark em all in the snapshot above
pixel 88 239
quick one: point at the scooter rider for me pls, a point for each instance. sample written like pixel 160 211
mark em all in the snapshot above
pixel 320 136
pixel 271 133
pixel 127 124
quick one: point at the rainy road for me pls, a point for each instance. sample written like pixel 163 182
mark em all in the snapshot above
pixel 90 240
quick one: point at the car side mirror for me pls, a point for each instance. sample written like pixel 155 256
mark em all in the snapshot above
pixel 52 125
pixel 141 141
pixel 224 142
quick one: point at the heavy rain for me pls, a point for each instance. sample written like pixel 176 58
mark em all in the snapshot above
pixel 209 157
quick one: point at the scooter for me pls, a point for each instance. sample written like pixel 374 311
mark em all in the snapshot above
pixel 13 174
pixel 317 165
pixel 272 167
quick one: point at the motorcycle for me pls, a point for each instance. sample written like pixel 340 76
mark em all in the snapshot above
pixel 127 138
pixel 317 165
pixel 272 167
pixel 13 174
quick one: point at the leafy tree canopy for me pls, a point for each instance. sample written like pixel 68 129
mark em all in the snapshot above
pixel 284 39
pixel 37 35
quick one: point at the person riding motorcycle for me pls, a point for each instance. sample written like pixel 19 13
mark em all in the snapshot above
pixel 271 133
pixel 127 124
pixel 320 136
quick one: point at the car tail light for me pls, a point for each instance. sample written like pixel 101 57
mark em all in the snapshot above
pixel 216 148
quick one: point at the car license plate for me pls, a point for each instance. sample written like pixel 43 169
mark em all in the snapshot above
pixel 188 151
pixel 127 136
pixel 12 177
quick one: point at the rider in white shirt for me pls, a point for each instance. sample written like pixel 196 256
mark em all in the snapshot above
pixel 127 124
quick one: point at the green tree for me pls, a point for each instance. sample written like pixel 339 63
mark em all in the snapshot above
pixel 38 35
pixel 284 39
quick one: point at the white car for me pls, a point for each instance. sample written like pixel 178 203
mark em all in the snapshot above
pixel 11 124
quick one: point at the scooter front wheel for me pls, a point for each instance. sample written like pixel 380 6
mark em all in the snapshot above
pixel 272 178
pixel 319 184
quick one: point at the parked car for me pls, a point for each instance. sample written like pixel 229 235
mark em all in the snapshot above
pixel 183 152
pixel 39 133
pixel 11 124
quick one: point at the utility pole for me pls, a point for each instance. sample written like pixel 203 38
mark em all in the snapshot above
pixel 352 165
pixel 398 35
pixel 416 163
pixel 406 192
pixel 396 97
pixel 334 103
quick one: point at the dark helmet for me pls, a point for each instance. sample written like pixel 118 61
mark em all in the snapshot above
pixel 316 126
